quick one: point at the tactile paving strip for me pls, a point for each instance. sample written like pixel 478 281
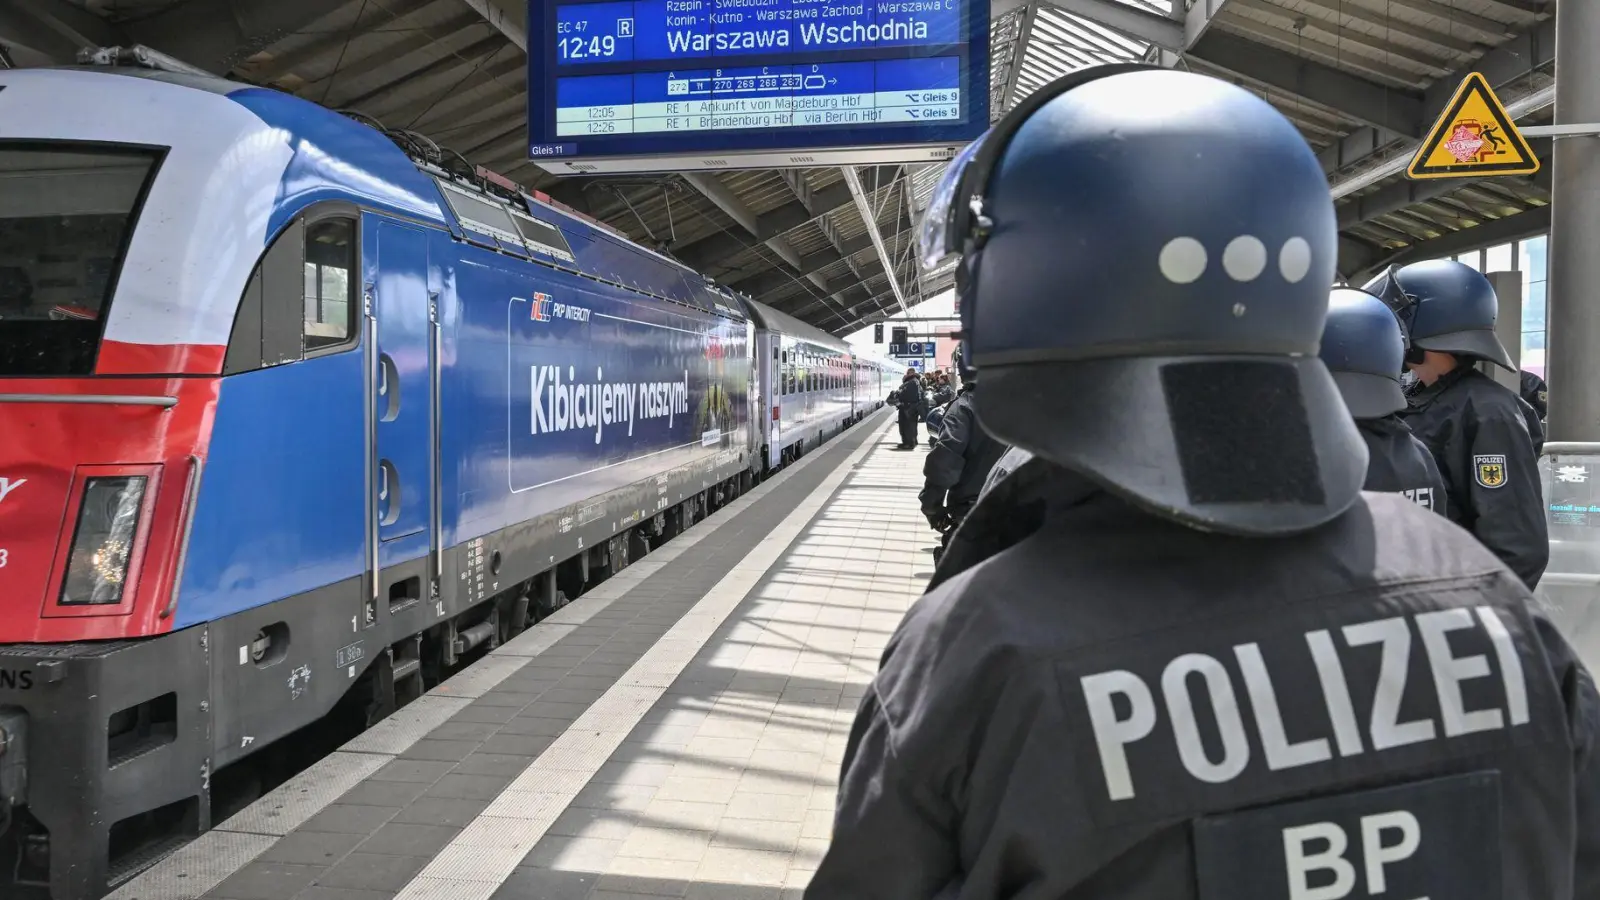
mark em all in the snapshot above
pixel 196 868
pixel 303 796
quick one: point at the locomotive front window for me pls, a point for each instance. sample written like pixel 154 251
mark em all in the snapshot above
pixel 66 213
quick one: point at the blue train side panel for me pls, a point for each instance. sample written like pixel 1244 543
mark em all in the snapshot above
pixel 282 497
pixel 559 389
pixel 628 388
pixel 553 389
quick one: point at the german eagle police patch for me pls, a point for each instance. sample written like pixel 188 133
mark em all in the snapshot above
pixel 1489 470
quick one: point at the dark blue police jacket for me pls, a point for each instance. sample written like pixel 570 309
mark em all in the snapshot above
pixel 1113 705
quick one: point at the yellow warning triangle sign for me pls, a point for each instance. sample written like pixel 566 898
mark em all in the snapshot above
pixel 1474 137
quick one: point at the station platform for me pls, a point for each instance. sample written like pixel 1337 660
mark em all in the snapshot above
pixel 675 732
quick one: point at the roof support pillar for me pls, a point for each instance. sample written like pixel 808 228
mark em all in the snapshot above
pixel 1129 20
pixel 497 19
pixel 1198 18
pixel 871 220
pixel 1024 35
pixel 1574 319
pixel 725 200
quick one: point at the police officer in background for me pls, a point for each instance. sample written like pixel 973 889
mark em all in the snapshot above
pixel 943 395
pixel 1365 351
pixel 1218 669
pixel 908 401
pixel 956 467
pixel 1483 436
pixel 1536 394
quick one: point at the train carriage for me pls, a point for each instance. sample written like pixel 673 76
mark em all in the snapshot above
pixel 875 377
pixel 290 418
pixel 803 373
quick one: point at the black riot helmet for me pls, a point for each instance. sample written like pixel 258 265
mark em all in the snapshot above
pixel 1363 347
pixel 1446 306
pixel 1147 257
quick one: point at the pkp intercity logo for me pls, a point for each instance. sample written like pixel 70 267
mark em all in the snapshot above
pixel 539 309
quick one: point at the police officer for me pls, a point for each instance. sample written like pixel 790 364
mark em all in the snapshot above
pixel 1218 669
pixel 1536 394
pixel 1484 437
pixel 943 394
pixel 956 467
pixel 908 401
pixel 1365 351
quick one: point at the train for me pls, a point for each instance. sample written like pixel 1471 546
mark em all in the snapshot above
pixel 298 413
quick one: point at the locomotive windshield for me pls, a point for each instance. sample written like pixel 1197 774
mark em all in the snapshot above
pixel 66 211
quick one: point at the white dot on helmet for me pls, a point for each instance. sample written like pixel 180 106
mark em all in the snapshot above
pixel 1294 261
pixel 1244 258
pixel 1183 260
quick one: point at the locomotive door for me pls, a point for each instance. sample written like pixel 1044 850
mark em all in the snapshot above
pixel 403 430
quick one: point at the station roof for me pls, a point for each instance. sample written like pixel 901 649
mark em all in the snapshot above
pixel 1363 80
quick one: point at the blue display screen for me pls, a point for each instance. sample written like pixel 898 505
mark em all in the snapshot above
pixel 646 77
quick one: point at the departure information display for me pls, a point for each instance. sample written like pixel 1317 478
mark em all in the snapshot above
pixel 641 78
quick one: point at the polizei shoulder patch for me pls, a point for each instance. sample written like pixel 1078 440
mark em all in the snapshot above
pixel 1490 470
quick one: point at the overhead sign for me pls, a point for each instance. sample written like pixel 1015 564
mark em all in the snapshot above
pixel 913 349
pixel 1474 137
pixel 647 85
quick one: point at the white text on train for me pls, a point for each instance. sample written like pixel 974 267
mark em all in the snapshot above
pixel 566 405
pixel 1114 732
pixel 7 485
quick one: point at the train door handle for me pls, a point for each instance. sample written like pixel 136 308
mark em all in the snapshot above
pixel 388 389
pixel 389 493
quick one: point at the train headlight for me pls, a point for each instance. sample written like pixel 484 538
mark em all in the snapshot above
pixel 102 544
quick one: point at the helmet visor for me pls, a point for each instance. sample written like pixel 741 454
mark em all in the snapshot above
pixel 1386 287
pixel 936 241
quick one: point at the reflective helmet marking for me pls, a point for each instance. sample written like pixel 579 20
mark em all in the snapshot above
pixel 1294 260
pixel 1244 258
pixel 1183 259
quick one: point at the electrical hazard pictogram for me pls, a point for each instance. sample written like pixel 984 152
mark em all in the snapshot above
pixel 1474 137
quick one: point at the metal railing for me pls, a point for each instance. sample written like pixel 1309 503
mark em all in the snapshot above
pixel 1569 473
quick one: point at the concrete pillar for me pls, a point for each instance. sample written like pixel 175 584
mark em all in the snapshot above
pixel 1508 326
pixel 1574 298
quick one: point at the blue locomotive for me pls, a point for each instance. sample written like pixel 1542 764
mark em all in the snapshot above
pixel 289 414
